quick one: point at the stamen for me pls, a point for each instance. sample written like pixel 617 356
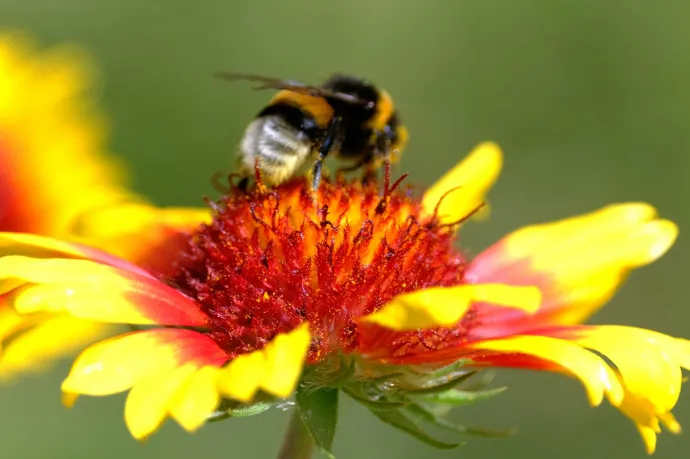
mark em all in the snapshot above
pixel 398 182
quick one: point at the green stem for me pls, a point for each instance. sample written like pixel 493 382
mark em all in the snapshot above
pixel 297 443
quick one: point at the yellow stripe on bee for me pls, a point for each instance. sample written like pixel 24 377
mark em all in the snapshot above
pixel 315 106
pixel 384 111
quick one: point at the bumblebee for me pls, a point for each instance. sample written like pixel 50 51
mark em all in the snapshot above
pixel 346 116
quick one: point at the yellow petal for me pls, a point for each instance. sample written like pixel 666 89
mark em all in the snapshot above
pixel 242 377
pixel 36 246
pixel 462 189
pixel 196 399
pixel 91 290
pixel 284 361
pixel 69 399
pixel 445 306
pixel 109 367
pixel 580 262
pixel 649 367
pixel 11 322
pixel 80 300
pixel 648 437
pixel 590 369
pixel 46 341
pixel 129 218
pixel 647 361
pixel 33 245
pixel 132 230
pixel 627 248
pixel 148 401
pixel 276 368
pixel 670 422
pixel 166 369
pixel 579 230
pixel 58 270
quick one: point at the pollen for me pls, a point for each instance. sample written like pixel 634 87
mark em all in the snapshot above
pixel 272 259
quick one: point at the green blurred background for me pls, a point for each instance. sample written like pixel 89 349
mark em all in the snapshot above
pixel 589 99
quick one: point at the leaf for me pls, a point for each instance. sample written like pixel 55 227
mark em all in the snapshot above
pixel 318 410
pixel 460 397
pixel 419 413
pixel 398 420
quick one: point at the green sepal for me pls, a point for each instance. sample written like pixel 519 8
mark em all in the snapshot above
pixel 423 415
pixel 442 386
pixel 460 397
pixel 338 370
pixel 442 372
pixel 318 409
pixel 251 410
pixel 365 394
pixel 398 419
pixel 382 404
pixel 233 409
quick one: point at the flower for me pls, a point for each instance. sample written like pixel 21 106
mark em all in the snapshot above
pixel 57 180
pixel 349 288
pixel 48 123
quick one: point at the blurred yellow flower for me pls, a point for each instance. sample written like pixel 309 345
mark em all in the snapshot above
pixel 56 179
pixel 53 165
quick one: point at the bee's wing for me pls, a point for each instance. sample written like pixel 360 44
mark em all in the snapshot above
pixel 290 85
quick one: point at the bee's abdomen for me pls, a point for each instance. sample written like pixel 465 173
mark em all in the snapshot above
pixel 279 147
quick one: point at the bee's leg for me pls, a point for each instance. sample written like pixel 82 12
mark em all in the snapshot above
pixel 365 160
pixel 370 173
pixel 379 155
pixel 243 184
pixel 326 145
pixel 383 146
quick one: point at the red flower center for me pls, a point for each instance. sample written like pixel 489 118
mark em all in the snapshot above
pixel 271 260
